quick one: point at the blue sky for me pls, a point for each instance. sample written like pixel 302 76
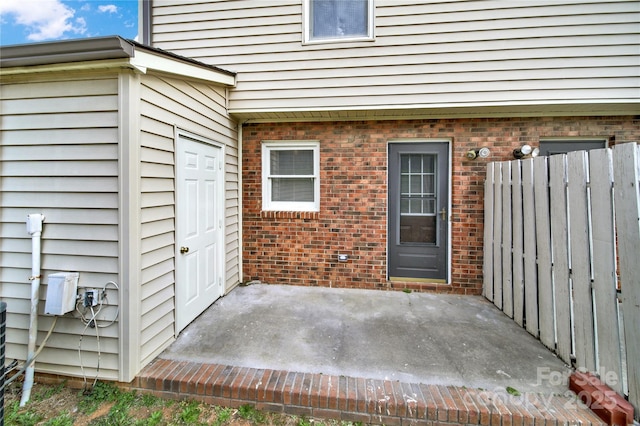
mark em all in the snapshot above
pixel 30 21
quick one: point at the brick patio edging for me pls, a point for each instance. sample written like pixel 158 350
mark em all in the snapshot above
pixel 356 399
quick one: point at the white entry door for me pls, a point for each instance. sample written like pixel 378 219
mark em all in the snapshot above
pixel 199 223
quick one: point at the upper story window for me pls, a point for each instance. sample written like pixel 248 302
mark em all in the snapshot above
pixel 291 176
pixel 338 20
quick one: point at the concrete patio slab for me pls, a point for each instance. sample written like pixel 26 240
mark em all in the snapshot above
pixel 370 357
pixel 416 338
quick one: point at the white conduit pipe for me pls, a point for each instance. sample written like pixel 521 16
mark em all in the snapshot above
pixel 34 228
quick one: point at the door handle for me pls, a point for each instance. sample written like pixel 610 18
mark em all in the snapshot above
pixel 443 214
pixel 184 250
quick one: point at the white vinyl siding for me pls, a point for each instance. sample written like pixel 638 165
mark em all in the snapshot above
pixel 167 104
pixel 435 54
pixel 59 157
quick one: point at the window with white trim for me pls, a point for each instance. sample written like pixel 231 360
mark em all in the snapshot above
pixel 291 176
pixel 338 20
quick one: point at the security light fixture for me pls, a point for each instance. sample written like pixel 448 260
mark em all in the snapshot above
pixel 525 151
pixel 478 152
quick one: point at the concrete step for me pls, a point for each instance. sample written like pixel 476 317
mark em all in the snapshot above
pixel 357 399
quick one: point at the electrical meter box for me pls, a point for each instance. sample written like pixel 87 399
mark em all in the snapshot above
pixel 61 293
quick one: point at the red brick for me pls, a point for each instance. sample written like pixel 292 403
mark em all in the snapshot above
pixel 278 396
pixel 217 380
pixel 225 386
pixel 254 385
pixel 201 386
pixel 334 397
pixel 243 388
pixel 263 388
pixel 353 195
pixel 374 400
pixel 602 400
pixel 387 420
pixel 269 406
pixel 296 389
pixel 380 398
pixel 305 389
pixel 361 394
pixel 169 375
pixel 341 394
pixel 325 413
pixel 188 377
pixel 479 399
pixel 297 410
pixel 287 386
pixel 356 417
pixel 416 404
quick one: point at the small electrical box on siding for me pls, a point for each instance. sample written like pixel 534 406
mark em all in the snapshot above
pixel 61 293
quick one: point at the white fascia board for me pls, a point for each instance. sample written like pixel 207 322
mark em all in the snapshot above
pixel 142 62
pixel 149 61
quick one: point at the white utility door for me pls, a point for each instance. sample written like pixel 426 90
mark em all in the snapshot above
pixel 199 223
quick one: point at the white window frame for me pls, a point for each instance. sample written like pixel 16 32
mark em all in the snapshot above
pixel 306 27
pixel 301 206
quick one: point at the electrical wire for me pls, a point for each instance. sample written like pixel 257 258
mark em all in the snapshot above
pixel 104 296
pixel 93 323
pixel 87 325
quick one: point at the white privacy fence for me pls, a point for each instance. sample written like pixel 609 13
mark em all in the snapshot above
pixel 562 256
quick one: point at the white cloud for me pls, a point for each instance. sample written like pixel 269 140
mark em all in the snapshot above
pixel 44 20
pixel 109 8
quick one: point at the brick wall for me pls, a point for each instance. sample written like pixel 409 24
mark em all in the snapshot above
pixel 302 248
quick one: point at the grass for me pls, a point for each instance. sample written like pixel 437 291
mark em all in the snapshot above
pixel 107 405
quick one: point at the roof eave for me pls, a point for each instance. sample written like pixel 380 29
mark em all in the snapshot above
pixel 65 51
pixel 612 107
pixel 105 53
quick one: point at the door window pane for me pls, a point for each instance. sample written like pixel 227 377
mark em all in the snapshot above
pixel 418 229
pixel 418 198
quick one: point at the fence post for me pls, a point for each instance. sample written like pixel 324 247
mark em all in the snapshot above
pixel 497 235
pixel 543 242
pixel 488 234
pixel 604 268
pixel 518 243
pixel 627 202
pixel 530 250
pixel 560 247
pixel 580 260
pixel 507 236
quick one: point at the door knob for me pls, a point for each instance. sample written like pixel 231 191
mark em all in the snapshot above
pixel 443 214
pixel 184 250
